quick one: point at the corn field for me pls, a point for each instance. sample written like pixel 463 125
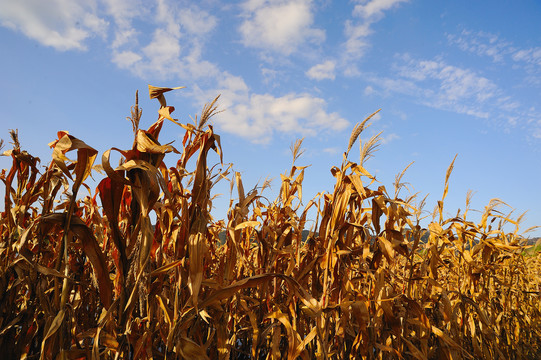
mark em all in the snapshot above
pixel 139 268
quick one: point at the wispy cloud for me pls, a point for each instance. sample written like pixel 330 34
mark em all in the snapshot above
pixel 482 44
pixel 322 71
pixel 369 90
pixel 359 28
pixel 123 13
pixel 126 59
pixel 486 44
pixel 453 85
pixel 331 150
pixel 437 84
pixel 61 24
pixel 281 26
pixel 530 59
pixel 269 75
pixel 531 56
pixel 197 21
pixel 373 10
pixel 176 50
pixel 357 42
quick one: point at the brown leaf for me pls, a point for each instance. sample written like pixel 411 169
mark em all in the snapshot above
pixel 92 250
pixel 294 339
pixel 148 145
pixel 157 92
pixel 53 328
pixel 189 349
pixel 85 156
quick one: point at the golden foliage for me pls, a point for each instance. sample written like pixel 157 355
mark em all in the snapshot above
pixel 94 277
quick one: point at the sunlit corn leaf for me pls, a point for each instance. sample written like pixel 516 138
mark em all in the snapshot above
pixel 85 156
pixel 247 224
pixel 157 92
pixel 294 339
pixel 148 145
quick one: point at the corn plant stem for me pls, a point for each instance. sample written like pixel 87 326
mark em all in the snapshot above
pixel 64 251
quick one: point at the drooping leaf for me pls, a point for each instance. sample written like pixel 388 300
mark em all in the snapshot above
pixel 157 92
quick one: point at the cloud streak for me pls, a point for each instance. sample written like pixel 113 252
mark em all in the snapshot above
pixel 437 84
pixel 481 44
pixel 485 44
pixel 356 30
pixel 359 28
pixel 373 10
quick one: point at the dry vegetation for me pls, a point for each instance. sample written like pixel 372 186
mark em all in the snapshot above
pixel 93 277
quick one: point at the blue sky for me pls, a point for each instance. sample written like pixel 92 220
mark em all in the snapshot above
pixel 451 77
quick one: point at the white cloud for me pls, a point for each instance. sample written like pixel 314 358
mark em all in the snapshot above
pixel 124 36
pixel 95 24
pixel 399 85
pixel 61 24
pixel 322 71
pixel 273 78
pixel 175 47
pixel 197 21
pixel 374 9
pixel 164 58
pixel 125 59
pixel 356 42
pixel 263 115
pixel 123 12
pixel 163 50
pixel 279 25
pixel 357 30
pixel 259 117
pixel 439 85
